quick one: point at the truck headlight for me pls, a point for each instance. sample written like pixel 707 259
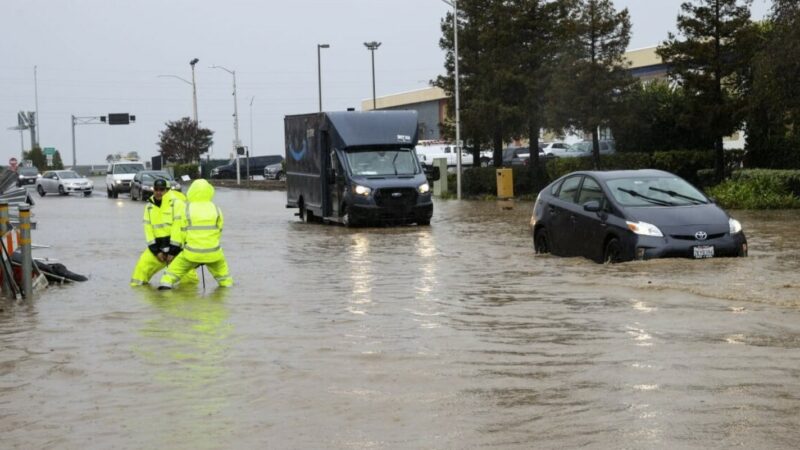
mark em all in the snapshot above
pixel 644 229
pixel 362 190
pixel 734 225
pixel 424 188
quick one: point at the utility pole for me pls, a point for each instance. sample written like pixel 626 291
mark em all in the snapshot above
pixel 36 96
pixel 372 46
pixel 454 4
pixel 236 142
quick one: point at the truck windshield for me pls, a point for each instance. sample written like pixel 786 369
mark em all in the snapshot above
pixel 372 162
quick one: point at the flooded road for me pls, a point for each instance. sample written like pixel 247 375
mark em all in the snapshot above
pixel 448 336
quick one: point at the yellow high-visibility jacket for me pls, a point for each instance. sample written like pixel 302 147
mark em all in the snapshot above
pixel 199 228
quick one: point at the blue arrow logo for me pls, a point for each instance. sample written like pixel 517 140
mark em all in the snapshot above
pixel 298 155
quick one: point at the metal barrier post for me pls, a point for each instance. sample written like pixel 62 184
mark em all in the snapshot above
pixel 27 254
pixel 4 228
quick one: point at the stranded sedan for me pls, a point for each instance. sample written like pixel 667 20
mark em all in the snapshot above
pixel 631 214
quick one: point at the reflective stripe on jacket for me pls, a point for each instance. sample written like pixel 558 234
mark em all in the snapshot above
pixel 200 227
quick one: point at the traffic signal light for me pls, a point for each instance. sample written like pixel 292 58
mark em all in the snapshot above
pixel 120 118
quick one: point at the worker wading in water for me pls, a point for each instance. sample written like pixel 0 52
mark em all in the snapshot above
pixel 198 232
pixel 163 207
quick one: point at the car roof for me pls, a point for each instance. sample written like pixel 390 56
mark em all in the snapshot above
pixel 614 174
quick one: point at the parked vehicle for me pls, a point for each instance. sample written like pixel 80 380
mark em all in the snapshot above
pixel 356 168
pixel 550 147
pixel 583 148
pixel 142 185
pixel 120 176
pixel 256 164
pixel 275 172
pixel 631 214
pixel 427 153
pixel 27 175
pixel 63 182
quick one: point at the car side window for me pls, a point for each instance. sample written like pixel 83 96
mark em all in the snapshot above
pixel 590 191
pixel 568 189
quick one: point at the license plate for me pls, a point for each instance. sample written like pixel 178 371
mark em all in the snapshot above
pixel 704 251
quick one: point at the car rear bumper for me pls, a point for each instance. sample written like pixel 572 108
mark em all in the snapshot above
pixel 728 245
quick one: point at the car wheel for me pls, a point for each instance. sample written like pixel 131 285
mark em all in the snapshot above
pixel 87 193
pixel 541 244
pixel 108 192
pixel 133 197
pixel 281 176
pixel 424 222
pixel 613 252
pixel 114 193
pixel 61 190
pixel 40 190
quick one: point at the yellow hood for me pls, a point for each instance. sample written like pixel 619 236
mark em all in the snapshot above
pixel 200 191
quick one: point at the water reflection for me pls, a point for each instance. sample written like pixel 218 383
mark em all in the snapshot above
pixel 359 266
pixel 184 347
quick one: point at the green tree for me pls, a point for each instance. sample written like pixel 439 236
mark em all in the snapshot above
pixel 653 117
pixel 540 35
pixel 37 158
pixel 592 73
pixel 183 141
pixel 58 164
pixel 491 86
pixel 773 113
pixel 710 63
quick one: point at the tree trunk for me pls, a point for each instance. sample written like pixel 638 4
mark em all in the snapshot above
pixel 719 160
pixel 595 148
pixel 497 144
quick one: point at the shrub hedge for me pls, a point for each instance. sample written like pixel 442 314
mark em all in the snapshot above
pixel 759 189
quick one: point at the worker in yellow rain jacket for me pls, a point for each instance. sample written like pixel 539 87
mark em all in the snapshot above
pixel 159 215
pixel 198 232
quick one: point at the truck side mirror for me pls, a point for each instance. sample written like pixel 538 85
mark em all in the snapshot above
pixel 432 173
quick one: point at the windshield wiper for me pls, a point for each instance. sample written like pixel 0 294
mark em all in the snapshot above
pixel 696 201
pixel 394 162
pixel 652 200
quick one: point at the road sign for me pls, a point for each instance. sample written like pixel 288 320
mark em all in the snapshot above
pixel 49 151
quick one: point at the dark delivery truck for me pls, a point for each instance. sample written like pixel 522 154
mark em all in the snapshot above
pixel 356 168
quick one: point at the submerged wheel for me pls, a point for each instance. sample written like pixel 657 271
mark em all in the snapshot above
pixel 303 214
pixel 613 252
pixel 347 218
pixel 541 245
pixel 40 190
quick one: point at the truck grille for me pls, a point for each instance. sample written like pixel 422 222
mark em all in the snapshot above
pixel 396 197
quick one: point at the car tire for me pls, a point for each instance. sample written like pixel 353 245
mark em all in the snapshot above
pixel 424 222
pixel 87 193
pixel 133 197
pixel 41 191
pixel 108 192
pixel 114 193
pixel 281 176
pixel 61 190
pixel 612 253
pixel 347 219
pixel 541 245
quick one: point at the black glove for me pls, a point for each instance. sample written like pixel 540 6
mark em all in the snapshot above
pixel 174 250
pixel 154 249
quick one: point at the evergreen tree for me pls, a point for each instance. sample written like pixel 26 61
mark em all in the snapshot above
pixel 710 63
pixel 58 164
pixel 37 158
pixel 592 73
pixel 183 141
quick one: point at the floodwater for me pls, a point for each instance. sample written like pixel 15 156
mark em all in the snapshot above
pixel 448 336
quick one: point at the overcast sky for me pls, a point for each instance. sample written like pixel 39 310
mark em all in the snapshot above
pixel 96 57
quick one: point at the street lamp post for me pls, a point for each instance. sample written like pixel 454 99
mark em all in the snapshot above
pixel 454 4
pixel 372 46
pixel 319 72
pixel 194 89
pixel 236 143
pixel 190 83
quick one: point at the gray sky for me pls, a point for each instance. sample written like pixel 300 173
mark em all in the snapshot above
pixel 96 57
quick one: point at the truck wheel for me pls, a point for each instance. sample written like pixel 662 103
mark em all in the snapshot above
pixel 114 193
pixel 347 219
pixel 303 213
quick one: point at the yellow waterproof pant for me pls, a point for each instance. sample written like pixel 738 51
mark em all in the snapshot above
pixel 148 265
pixel 181 266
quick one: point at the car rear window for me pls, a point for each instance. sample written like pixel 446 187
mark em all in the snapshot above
pixel 128 168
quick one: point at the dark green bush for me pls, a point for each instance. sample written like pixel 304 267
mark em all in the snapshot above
pixel 759 189
pixel 178 170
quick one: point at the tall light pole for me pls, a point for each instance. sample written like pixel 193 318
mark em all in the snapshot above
pixel 454 4
pixel 194 89
pixel 372 46
pixel 251 123
pixel 36 97
pixel 236 142
pixel 319 72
